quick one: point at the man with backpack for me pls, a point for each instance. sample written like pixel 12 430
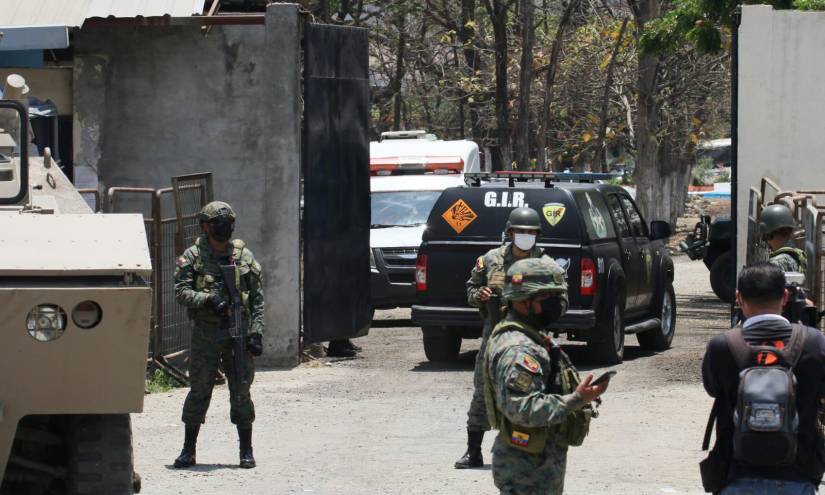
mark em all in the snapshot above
pixel 767 377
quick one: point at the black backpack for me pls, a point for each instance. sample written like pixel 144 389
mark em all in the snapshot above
pixel 765 418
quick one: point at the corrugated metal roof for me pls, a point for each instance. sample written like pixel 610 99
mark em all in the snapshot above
pixel 74 12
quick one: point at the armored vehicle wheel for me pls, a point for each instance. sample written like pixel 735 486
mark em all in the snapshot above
pixel 100 455
pixel 721 277
pixel 609 349
pixel 441 344
pixel 660 338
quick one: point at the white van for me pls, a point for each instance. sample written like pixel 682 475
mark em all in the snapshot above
pixel 416 155
pixel 400 207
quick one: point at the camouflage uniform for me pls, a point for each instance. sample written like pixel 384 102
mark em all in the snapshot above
pixel 518 375
pixel 789 258
pixel 488 271
pixel 197 272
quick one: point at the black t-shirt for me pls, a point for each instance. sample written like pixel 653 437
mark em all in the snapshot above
pixel 721 379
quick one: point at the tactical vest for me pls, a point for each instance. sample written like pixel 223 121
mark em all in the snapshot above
pixel 208 275
pixel 570 433
pixel 795 253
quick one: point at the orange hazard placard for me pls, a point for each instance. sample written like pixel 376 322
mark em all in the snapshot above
pixel 459 216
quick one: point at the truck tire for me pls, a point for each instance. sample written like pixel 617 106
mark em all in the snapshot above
pixel 609 348
pixel 441 344
pixel 100 455
pixel 721 277
pixel 660 338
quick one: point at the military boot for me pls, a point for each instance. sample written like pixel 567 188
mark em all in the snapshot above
pixel 245 437
pixel 339 348
pixel 472 458
pixel 187 455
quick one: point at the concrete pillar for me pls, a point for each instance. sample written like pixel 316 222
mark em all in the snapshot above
pixel 280 254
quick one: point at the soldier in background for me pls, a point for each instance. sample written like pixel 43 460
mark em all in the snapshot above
pixel 532 391
pixel 199 287
pixel 483 291
pixel 777 225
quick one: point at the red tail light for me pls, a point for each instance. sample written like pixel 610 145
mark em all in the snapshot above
pixel 588 280
pixel 421 273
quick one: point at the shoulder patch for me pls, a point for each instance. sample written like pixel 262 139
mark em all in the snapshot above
pixel 520 381
pixel 480 263
pixel 181 261
pixel 529 363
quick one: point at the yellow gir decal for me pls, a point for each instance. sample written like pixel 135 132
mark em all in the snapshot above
pixel 459 216
pixel 553 213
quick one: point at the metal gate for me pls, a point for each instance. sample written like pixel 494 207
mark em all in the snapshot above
pixel 171 226
pixel 336 183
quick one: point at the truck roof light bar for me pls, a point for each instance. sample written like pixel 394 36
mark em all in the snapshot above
pixel 475 178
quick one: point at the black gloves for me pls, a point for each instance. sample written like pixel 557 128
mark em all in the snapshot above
pixel 254 344
pixel 217 304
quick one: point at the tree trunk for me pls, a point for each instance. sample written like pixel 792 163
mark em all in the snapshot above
pixel 399 71
pixel 601 148
pixel 466 34
pixel 525 83
pixel 648 174
pixel 550 79
pixel 498 16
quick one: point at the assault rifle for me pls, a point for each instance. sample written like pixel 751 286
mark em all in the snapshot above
pixel 797 310
pixel 236 329
pixel 494 308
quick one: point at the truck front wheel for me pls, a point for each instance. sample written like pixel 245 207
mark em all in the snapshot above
pixel 100 455
pixel 441 344
pixel 721 277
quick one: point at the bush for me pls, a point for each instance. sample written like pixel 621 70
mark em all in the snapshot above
pixel 722 177
pixel 701 171
pixel 160 382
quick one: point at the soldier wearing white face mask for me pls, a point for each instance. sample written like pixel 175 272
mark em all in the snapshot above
pixel 483 291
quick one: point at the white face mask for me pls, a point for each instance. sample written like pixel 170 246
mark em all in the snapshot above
pixel 525 242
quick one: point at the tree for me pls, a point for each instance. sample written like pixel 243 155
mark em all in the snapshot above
pixel 527 8
pixel 499 11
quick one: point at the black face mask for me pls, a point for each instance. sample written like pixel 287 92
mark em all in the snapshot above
pixel 221 229
pixel 551 309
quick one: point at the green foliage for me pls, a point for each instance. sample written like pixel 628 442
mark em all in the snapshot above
pixel 160 382
pixel 809 4
pixel 701 171
pixel 702 23
pixel 722 177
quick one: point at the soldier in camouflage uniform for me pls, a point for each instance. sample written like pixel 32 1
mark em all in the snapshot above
pixel 777 225
pixel 199 286
pixel 484 291
pixel 530 396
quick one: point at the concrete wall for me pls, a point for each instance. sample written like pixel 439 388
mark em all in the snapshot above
pixel 781 103
pixel 154 102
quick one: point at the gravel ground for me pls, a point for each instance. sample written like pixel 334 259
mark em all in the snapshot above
pixel 389 422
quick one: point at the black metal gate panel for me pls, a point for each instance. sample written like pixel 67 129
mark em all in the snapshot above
pixel 336 183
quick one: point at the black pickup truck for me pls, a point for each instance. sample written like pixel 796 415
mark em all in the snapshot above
pixel 619 274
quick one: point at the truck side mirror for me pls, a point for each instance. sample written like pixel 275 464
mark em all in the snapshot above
pixel 660 230
pixel 14 170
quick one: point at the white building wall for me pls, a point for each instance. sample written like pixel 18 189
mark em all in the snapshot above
pixel 781 103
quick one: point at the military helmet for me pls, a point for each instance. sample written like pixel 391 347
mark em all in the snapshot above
pixel 529 277
pixel 775 217
pixel 216 209
pixel 524 218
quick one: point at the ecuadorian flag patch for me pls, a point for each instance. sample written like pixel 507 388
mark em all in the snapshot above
pixel 519 438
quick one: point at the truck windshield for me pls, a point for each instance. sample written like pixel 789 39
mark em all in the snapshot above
pixel 402 209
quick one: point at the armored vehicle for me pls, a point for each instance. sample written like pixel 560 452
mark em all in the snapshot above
pixel 74 329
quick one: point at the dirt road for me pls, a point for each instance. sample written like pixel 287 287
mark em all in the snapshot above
pixel 389 422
